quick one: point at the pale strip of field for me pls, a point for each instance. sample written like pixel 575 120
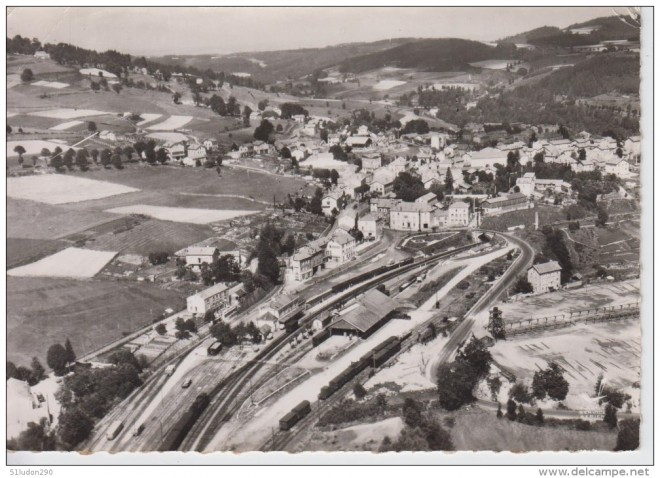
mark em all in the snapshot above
pixel 32 146
pixel 96 71
pixel 383 85
pixel 68 113
pixel 72 262
pixel 51 84
pixel 491 64
pixel 12 114
pixel 13 80
pixel 175 137
pixel 148 118
pixel 67 125
pixel 173 122
pixel 62 189
pixel 181 214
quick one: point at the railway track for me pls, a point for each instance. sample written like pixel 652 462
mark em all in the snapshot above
pixel 223 406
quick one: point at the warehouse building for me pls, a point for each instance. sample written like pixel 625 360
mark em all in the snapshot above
pixel 367 314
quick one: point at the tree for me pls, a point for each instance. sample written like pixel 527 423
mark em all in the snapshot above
pixel 456 382
pixel 408 187
pixel 412 412
pixel 81 159
pixel 449 181
pixel 247 111
pixel 334 176
pixel 70 354
pixel 11 369
pixel 628 437
pixel 262 105
pixel 176 98
pixel 359 391
pixel 74 427
pixel 338 152
pixel 603 217
pixel 476 356
pixel 116 161
pixel 520 393
pixel 539 416
pixel 91 127
pixel 116 87
pixel 499 411
pixel 610 416
pixel 285 153
pixel 496 325
pixel 511 410
pixel 550 381
pixel 161 329
pixel 161 155
pixel 38 371
pixel 106 158
pixel 222 332
pixel 316 204
pixel 159 257
pixel 263 131
pixel 35 438
pixel 57 359
pixel 9 129
pixel 95 154
pixel 20 150
pixel 27 75
pixel 523 286
pixel 128 151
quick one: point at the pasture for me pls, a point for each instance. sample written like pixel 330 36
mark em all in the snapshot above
pixel 179 214
pixel 33 146
pixel 71 262
pixel 22 251
pixel 43 311
pixel 171 123
pixel 62 189
pixel 68 113
pixel 478 430
pixel 66 125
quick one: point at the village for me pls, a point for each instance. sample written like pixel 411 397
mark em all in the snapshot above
pixel 271 248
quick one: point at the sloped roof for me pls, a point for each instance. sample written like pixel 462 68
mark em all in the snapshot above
pixel 282 301
pixel 547 267
pixel 372 307
pixel 201 251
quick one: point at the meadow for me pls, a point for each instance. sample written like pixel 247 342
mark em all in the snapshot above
pixel 71 262
pixel 91 313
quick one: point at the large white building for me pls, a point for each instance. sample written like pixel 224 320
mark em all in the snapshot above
pixel 545 277
pixel 459 214
pixel 214 298
pixel 527 183
pixel 340 249
pixel 409 216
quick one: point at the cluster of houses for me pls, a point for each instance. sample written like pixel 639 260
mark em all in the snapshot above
pixel 180 152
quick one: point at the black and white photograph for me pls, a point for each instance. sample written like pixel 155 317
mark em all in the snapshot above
pixel 350 231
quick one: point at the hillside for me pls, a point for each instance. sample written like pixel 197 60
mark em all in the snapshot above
pixel 610 28
pixel 271 66
pixel 535 34
pixel 445 54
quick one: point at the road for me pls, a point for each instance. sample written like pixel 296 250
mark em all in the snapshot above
pixel 476 318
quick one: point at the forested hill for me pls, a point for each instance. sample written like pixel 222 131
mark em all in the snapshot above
pixel 270 66
pixel 526 37
pixel 445 54
pixel 598 75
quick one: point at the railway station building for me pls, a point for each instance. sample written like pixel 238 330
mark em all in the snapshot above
pixel 367 314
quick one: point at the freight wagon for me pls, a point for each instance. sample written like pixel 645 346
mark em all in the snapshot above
pixel 178 432
pixel 295 415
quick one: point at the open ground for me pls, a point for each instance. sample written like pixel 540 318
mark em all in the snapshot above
pixel 92 313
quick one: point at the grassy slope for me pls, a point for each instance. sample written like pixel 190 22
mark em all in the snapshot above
pixel 481 430
pixel 44 311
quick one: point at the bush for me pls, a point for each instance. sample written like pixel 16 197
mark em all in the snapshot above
pixel 157 258
pixel 359 391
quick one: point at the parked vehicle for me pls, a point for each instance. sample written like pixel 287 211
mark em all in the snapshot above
pixel 214 349
pixel 114 429
pixel 187 383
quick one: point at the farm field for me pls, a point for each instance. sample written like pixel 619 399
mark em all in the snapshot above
pixel 43 311
pixel 383 85
pixel 23 251
pixel 145 236
pixel 68 113
pixel 33 220
pixel 179 214
pixel 362 437
pixel 477 430
pixel 33 146
pixel 71 262
pixel 62 189
pixel 173 122
pixel 173 179
pixel 67 125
